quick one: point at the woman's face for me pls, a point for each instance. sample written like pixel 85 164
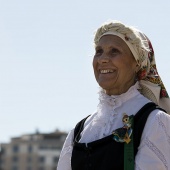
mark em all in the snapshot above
pixel 114 65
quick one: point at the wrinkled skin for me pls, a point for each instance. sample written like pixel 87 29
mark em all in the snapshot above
pixel 114 56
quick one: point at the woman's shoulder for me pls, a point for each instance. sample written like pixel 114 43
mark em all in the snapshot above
pixel 155 142
pixel 158 124
pixel 159 116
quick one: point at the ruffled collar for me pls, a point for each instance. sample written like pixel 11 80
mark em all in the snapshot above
pixel 102 122
pixel 108 104
pixel 115 99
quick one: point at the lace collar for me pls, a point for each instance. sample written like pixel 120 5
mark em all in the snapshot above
pixel 102 122
pixel 115 99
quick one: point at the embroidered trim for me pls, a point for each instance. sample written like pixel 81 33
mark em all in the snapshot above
pixel 157 152
pixel 164 128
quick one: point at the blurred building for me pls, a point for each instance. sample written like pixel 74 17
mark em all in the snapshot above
pixel 37 151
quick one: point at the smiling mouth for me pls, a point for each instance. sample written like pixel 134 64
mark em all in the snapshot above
pixel 106 71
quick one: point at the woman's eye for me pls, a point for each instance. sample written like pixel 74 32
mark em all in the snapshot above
pixel 114 50
pixel 99 51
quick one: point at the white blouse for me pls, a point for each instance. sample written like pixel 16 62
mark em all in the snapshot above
pixel 154 149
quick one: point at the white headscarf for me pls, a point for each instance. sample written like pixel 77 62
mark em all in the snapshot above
pixel 151 84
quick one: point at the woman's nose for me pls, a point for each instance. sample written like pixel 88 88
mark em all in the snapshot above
pixel 103 59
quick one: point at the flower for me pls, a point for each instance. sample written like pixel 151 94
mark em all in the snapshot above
pixel 142 74
pixel 164 93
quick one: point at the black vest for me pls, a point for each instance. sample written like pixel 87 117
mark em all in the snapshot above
pixel 105 153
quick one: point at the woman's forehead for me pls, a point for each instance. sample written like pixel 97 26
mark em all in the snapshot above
pixel 112 40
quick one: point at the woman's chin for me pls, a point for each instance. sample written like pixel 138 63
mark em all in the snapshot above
pixel 108 88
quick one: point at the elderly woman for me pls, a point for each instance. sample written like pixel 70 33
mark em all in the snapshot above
pixel 130 129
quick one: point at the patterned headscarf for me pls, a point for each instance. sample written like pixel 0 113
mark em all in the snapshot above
pixel 150 82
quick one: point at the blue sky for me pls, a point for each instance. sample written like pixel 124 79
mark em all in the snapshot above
pixel 46 51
